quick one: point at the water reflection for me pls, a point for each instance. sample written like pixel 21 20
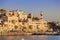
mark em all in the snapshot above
pixel 55 37
pixel 40 37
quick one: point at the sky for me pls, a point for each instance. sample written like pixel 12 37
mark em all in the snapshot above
pixel 50 8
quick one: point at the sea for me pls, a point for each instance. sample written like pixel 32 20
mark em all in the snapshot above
pixel 34 37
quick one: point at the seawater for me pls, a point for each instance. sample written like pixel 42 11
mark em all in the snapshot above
pixel 36 37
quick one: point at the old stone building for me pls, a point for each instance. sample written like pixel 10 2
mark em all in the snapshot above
pixel 20 22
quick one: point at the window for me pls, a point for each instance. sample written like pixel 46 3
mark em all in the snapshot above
pixel 16 27
pixel 12 14
pixel 44 23
pixel 13 21
pixel 37 27
pixel 46 26
pixel 19 20
pixel 9 20
pixel 9 13
pixel 4 14
pixel 5 25
pixel 24 27
pixel 30 26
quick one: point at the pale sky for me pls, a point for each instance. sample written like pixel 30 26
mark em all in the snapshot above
pixel 51 8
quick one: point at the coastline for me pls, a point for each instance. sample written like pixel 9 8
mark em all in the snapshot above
pixel 28 34
pixel 15 34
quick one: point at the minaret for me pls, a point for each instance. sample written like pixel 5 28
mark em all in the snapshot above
pixel 41 14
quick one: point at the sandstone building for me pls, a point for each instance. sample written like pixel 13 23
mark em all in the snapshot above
pixel 17 20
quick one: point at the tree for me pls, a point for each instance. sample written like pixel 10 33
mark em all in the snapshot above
pixel 52 25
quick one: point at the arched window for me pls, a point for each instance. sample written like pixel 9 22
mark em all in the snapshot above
pixel 9 13
pixel 30 26
pixel 19 20
pixel 16 27
pixel 12 14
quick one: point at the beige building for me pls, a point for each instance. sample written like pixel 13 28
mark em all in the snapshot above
pixel 21 15
pixel 19 21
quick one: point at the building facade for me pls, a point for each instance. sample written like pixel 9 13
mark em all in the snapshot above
pixel 20 22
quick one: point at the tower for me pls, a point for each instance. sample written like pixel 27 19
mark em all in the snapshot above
pixel 41 14
pixel 30 17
